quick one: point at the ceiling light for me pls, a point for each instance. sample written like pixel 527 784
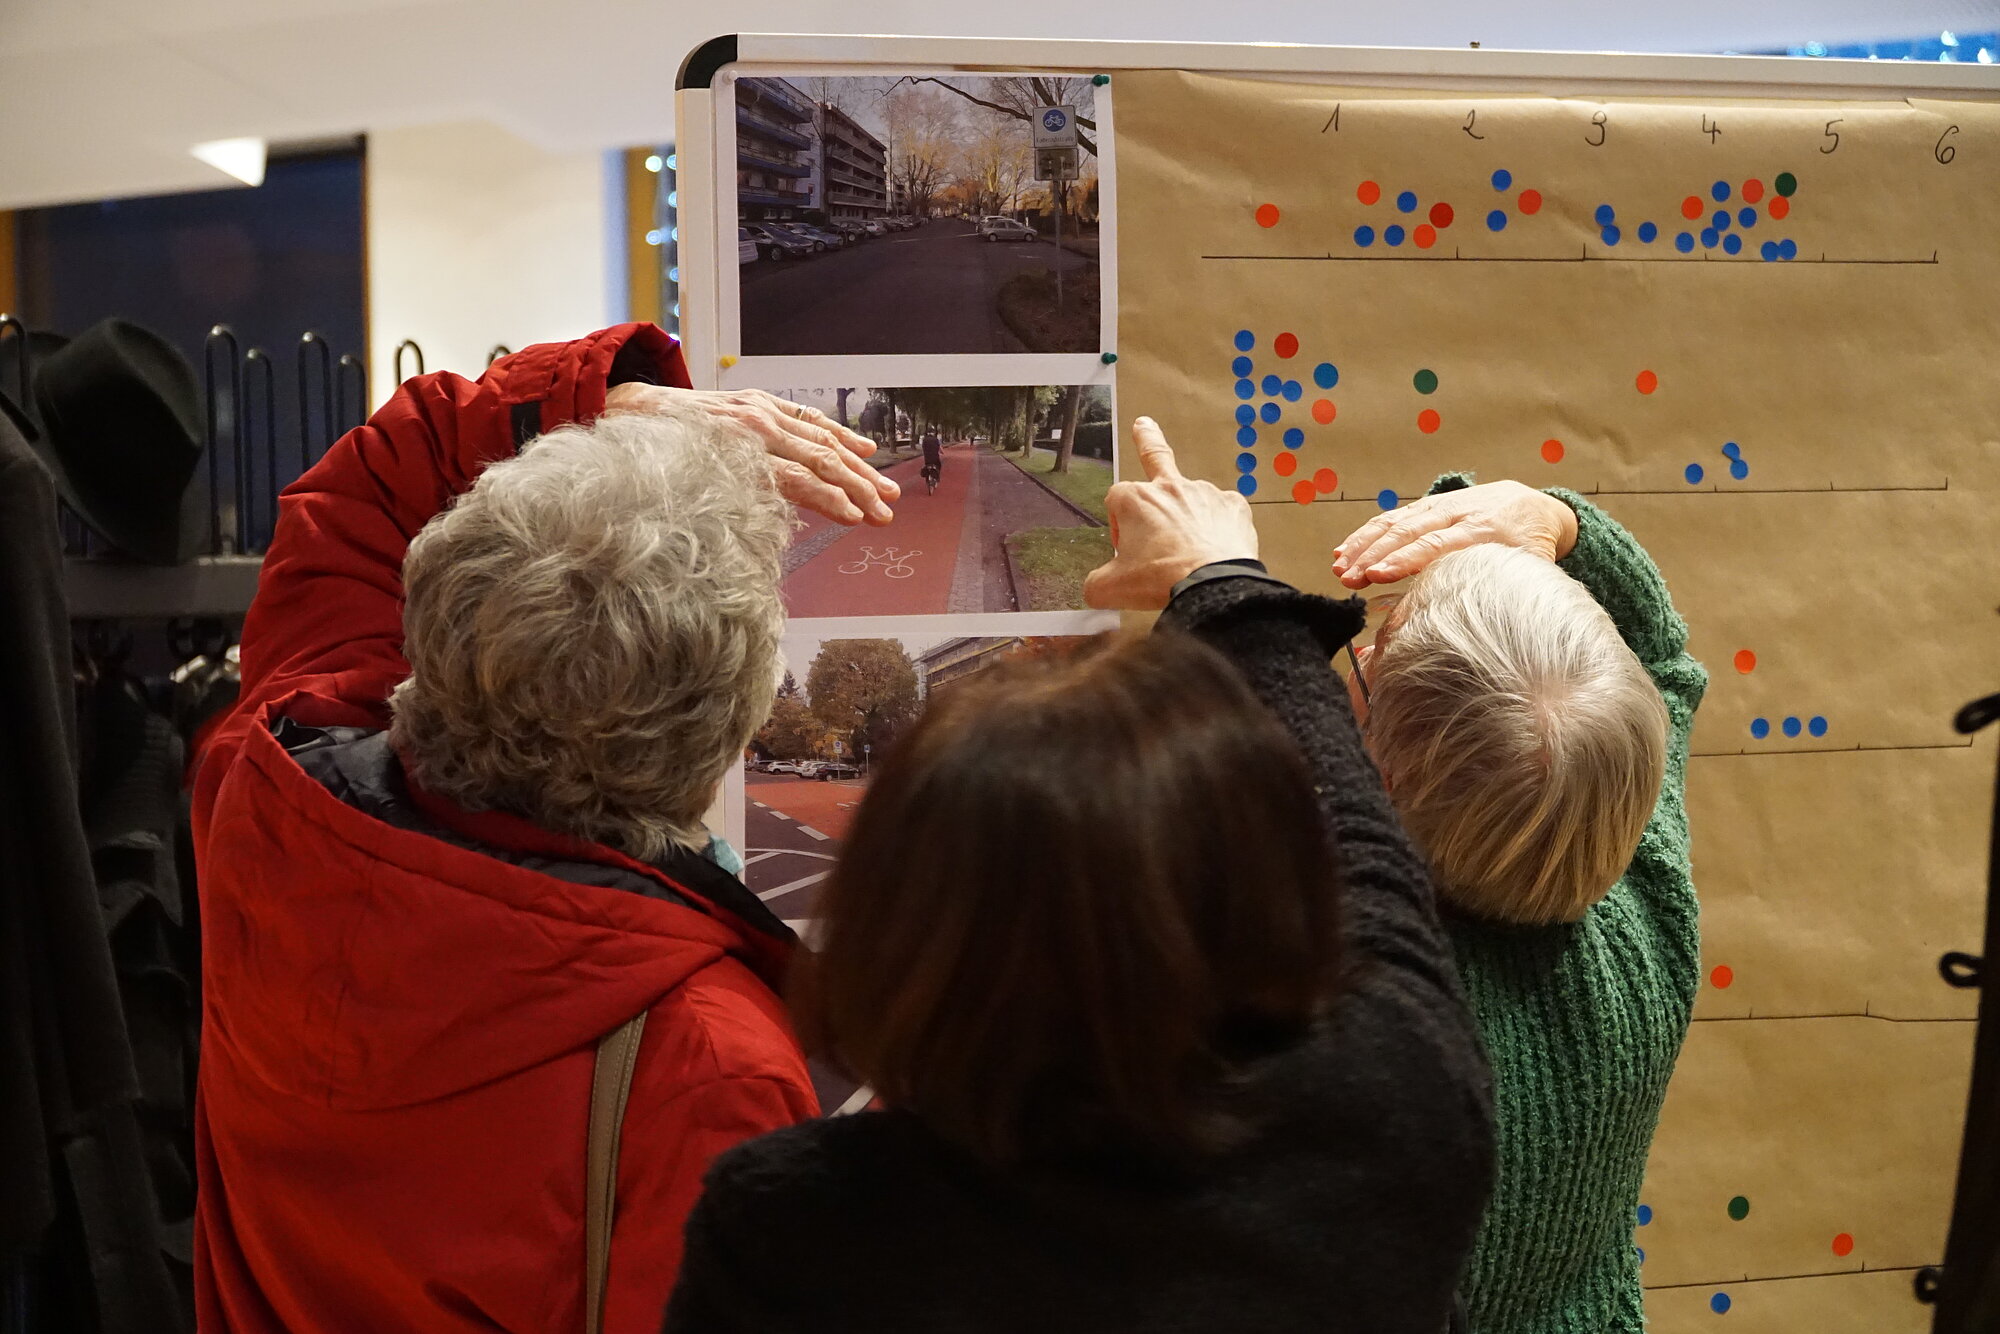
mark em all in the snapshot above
pixel 241 158
pixel 653 162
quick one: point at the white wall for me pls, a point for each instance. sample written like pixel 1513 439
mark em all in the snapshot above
pixel 477 237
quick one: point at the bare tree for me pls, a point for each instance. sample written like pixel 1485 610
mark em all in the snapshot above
pixel 1018 98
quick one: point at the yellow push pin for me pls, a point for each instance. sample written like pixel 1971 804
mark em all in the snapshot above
pixel 727 362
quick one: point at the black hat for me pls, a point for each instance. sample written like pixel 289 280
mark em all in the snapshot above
pixel 19 356
pixel 121 421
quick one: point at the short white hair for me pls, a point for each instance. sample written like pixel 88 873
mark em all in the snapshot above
pixel 592 629
pixel 1523 743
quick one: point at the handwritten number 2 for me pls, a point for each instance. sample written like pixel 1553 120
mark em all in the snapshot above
pixel 1470 116
pixel 1597 119
pixel 1828 148
pixel 1943 151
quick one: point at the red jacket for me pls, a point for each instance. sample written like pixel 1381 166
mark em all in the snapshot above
pixel 399 1029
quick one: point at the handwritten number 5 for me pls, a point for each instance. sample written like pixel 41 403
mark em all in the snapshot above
pixel 1828 148
pixel 1943 151
pixel 1597 119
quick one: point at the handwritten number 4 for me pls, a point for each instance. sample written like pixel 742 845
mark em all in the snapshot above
pixel 1710 130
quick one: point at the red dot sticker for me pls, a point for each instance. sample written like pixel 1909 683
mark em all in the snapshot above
pixel 1428 420
pixel 1746 661
pixel 1779 207
pixel 1531 201
pixel 1267 215
pixel 1722 976
pixel 1425 236
pixel 1302 491
pixel 1552 451
pixel 1647 382
pixel 1285 464
pixel 1441 215
pixel 1843 1245
pixel 1323 410
pixel 1753 190
pixel 1369 192
pixel 1286 345
pixel 1691 207
pixel 1325 480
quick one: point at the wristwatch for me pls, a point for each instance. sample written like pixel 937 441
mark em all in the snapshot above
pixel 1248 567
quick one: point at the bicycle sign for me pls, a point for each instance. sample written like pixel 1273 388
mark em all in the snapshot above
pixel 1055 127
pixel 891 562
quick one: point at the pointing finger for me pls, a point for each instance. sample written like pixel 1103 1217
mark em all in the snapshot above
pixel 1156 456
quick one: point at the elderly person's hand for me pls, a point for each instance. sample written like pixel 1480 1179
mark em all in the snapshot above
pixel 1396 545
pixel 815 461
pixel 1164 529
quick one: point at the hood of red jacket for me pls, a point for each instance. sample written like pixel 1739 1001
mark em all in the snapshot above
pixel 372 966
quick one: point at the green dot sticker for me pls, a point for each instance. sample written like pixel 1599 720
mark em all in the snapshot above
pixel 1785 184
pixel 1739 1208
pixel 1100 79
pixel 1426 381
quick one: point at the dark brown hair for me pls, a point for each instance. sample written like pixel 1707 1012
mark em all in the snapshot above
pixel 1080 894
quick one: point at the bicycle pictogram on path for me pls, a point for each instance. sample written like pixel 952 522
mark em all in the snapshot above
pixel 890 561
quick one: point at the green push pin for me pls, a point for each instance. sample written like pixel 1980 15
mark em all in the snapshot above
pixel 1108 358
pixel 1100 79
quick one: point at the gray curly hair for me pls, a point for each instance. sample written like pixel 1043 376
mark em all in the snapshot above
pixel 592 629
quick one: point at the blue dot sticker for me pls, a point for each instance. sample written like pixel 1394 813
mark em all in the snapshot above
pixel 1246 436
pixel 1732 450
pixel 1739 469
pixel 1645 1214
pixel 1693 474
pixel 1326 375
pixel 1769 250
pixel 1746 217
pixel 1269 412
pixel 1721 220
pixel 1294 391
pixel 1732 244
pixel 1294 437
pixel 1502 179
pixel 1793 727
pixel 1496 221
pixel 1272 384
pixel 1387 499
pixel 1245 340
pixel 1720 190
pixel 1684 243
pixel 1241 366
pixel 1246 485
pixel 1709 237
pixel 1245 414
pixel 1392 235
pixel 1246 463
pixel 1817 726
pixel 1719 1303
pixel 1647 231
pixel 1788 249
pixel 1605 215
pixel 1244 389
pixel 1364 237
pixel 1406 202
pixel 1609 235
pixel 1760 728
pixel 1641 1252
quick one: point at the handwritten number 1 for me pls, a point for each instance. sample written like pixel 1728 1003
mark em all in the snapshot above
pixel 1333 121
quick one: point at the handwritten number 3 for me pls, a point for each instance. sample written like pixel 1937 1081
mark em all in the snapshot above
pixel 1943 151
pixel 1597 120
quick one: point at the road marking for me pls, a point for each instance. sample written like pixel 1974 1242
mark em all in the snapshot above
pixel 811 832
pixel 760 805
pixel 800 883
pixel 777 815
pixel 752 861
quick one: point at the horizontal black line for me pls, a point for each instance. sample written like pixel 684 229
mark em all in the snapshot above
pixel 1781 1278
pixel 1825 750
pixel 1711 490
pixel 1844 1014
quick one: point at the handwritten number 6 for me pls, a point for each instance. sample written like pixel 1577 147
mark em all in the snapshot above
pixel 1943 151
pixel 1828 148
pixel 1597 120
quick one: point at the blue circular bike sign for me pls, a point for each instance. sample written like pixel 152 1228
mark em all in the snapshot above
pixel 1054 119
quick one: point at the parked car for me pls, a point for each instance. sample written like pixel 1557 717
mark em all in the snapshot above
pixel 831 239
pixel 996 228
pixel 774 242
pixel 852 228
pixel 876 227
pixel 833 769
pixel 746 248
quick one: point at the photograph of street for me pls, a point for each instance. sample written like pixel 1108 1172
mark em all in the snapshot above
pixel 1010 518
pixel 917 214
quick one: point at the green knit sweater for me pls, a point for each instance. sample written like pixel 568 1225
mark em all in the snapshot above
pixel 1583 1020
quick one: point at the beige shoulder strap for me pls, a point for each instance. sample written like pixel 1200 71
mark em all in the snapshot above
pixel 610 1086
